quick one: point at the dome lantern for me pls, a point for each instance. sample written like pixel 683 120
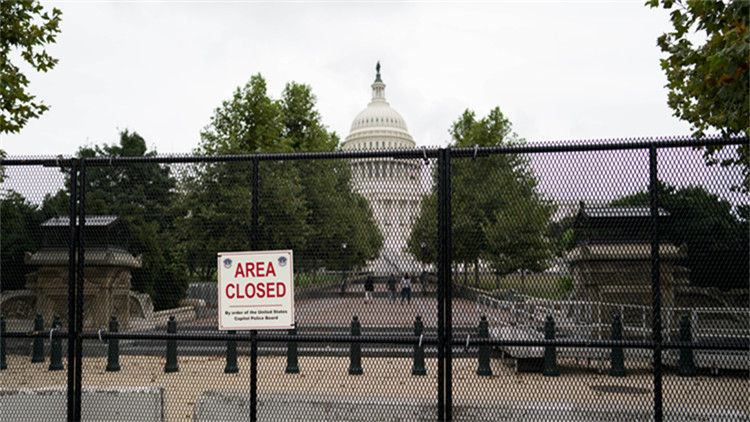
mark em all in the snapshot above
pixel 379 116
pixel 378 87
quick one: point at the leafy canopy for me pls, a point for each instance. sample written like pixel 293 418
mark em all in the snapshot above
pixel 19 233
pixel 716 238
pixel 308 206
pixel 498 216
pixel 708 81
pixel 144 196
pixel 25 29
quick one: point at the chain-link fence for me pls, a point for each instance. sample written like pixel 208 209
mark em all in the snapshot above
pixel 572 281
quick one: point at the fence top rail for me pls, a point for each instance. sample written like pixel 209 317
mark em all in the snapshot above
pixel 484 300
pixel 531 300
pixel 424 152
pixel 602 145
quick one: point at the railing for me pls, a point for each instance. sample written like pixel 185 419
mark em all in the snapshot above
pixel 580 319
pixel 522 315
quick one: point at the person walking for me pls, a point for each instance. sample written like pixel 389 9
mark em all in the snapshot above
pixel 406 289
pixel 392 288
pixel 369 288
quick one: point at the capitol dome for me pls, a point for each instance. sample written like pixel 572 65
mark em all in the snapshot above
pixel 393 187
pixel 378 114
pixel 378 126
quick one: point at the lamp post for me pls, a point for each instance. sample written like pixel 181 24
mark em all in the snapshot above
pixel 422 277
pixel 343 269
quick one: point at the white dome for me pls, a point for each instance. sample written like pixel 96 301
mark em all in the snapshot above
pixel 378 114
pixel 378 125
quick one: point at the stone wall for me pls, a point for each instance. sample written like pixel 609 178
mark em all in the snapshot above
pixel 622 273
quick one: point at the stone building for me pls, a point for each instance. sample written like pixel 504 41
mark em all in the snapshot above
pixel 393 187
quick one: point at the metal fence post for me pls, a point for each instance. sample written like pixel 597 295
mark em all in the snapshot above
pixel 3 362
pixel 113 347
pixel 171 365
pixel 78 388
pixel 355 349
pixel 72 316
pixel 254 375
pixel 254 237
pixel 255 205
pixel 445 329
pixel 231 366
pixel 655 283
pixel 617 355
pixel 292 365
pixel 37 352
pixel 687 364
pixel 550 354
pixel 55 347
pixel 418 366
pixel 484 351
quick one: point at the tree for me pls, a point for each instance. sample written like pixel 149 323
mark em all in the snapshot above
pixel 709 83
pixel 27 28
pixel 308 206
pixel 144 196
pixel 716 238
pixel 19 233
pixel 561 233
pixel 498 216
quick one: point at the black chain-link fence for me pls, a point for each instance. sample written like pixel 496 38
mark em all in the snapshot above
pixel 579 281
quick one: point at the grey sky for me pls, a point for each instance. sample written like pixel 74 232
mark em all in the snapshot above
pixel 558 70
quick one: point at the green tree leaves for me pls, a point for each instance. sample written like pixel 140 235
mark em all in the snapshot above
pixel 308 206
pixel 709 83
pixel 498 217
pixel 717 240
pixel 26 28
pixel 19 233
pixel 143 195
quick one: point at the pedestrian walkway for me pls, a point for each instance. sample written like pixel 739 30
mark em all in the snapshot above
pixel 380 311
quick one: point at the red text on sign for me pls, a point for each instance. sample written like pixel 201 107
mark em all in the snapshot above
pixel 251 290
pixel 255 269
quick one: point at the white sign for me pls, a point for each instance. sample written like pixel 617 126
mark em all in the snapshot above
pixel 256 290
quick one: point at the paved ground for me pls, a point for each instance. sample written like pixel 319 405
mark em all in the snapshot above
pixel 390 379
pixel 380 311
pixel 338 311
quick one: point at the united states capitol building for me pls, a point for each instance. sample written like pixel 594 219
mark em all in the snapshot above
pixel 393 187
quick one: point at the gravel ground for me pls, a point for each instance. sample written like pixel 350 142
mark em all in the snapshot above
pixel 391 378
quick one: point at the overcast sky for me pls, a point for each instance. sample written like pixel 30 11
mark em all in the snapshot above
pixel 558 70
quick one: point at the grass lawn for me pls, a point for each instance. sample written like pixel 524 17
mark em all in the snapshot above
pixel 546 286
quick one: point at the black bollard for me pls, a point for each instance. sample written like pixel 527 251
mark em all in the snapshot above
pixel 292 366
pixel 113 347
pixel 687 365
pixel 3 362
pixel 231 366
pixel 418 367
pixel 171 365
pixel 484 350
pixel 55 352
pixel 618 358
pixel 550 354
pixel 355 350
pixel 37 354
